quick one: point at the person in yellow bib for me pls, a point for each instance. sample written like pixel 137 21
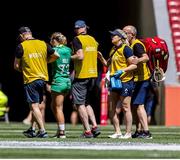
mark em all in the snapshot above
pixel 31 58
pixel 121 65
pixel 85 65
pixel 142 84
pixel 3 103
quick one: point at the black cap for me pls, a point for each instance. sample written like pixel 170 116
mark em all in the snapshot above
pixel 24 30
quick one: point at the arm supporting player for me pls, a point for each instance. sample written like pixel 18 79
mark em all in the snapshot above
pixel 53 57
pixel 102 59
pixel 79 55
pixel 142 57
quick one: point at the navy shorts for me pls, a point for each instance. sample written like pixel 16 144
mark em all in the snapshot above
pixel 82 89
pixel 34 91
pixel 150 106
pixel 126 90
pixel 141 91
pixel 151 100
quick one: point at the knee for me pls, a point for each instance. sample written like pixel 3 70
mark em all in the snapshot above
pixel 126 107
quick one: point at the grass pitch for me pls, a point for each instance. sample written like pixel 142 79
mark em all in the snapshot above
pixel 13 144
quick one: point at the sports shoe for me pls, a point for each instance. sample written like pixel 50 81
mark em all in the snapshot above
pixel 115 135
pixel 137 134
pixel 146 135
pixel 126 136
pixel 87 135
pixel 95 131
pixel 59 135
pixel 30 133
pixel 42 135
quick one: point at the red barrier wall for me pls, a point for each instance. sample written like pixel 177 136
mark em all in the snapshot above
pixel 172 106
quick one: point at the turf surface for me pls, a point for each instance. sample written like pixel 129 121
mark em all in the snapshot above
pixel 161 135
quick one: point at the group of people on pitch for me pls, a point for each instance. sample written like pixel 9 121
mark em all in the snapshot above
pixel 127 62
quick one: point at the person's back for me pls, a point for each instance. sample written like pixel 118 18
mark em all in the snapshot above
pixel 61 65
pixel 34 60
pixel 31 59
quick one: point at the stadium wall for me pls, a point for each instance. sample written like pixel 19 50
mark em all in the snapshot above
pixel 172 86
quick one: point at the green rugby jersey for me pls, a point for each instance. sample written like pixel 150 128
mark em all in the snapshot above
pixel 60 68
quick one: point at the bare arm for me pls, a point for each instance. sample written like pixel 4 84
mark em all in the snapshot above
pixel 53 57
pixel 102 59
pixel 143 59
pixel 79 55
pixel 17 64
pixel 132 61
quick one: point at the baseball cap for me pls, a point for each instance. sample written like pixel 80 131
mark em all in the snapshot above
pixel 24 30
pixel 80 24
pixel 119 33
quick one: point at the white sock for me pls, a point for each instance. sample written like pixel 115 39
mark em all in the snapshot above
pixel 61 127
pixel 42 130
pixel 33 128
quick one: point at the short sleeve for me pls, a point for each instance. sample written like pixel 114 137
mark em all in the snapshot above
pixel 138 49
pixel 128 52
pixel 19 51
pixel 76 44
pixel 50 50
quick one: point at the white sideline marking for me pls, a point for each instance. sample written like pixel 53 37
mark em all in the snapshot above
pixel 89 146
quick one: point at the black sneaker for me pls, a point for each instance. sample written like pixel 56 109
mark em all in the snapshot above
pixel 30 133
pixel 137 134
pixel 42 135
pixel 95 131
pixel 87 135
pixel 146 135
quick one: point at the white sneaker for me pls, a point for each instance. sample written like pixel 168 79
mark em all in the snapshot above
pixel 62 136
pixel 115 135
pixel 126 136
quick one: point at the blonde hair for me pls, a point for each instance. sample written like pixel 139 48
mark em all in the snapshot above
pixel 59 37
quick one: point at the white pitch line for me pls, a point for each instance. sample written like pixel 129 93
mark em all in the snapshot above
pixel 89 146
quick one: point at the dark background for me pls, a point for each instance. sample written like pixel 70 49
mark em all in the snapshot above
pixel 45 18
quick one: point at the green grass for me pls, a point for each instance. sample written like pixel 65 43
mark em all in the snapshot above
pixel 84 154
pixel 161 135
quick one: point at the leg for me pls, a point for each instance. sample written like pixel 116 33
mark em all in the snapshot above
pixel 142 117
pixel 74 118
pixel 57 108
pixel 31 131
pixel 91 115
pixel 115 120
pixel 37 115
pixel 28 119
pixel 95 130
pixel 127 112
pixel 84 117
pixel 43 107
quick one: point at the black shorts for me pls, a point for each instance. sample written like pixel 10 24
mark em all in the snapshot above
pixel 34 91
pixel 82 89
